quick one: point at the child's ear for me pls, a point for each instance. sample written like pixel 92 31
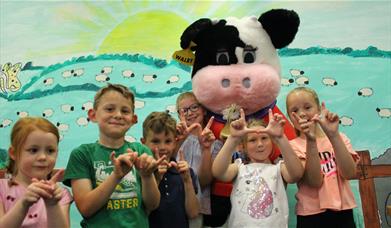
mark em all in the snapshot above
pixel 142 140
pixel 134 119
pixel 92 115
pixel 11 153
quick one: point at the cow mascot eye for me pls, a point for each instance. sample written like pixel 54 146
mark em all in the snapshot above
pixel 249 56
pixel 222 58
pixel 236 65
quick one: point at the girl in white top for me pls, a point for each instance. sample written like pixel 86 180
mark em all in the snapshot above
pixel 258 198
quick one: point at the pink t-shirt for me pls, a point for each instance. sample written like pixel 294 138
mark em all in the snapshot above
pixel 36 215
pixel 335 192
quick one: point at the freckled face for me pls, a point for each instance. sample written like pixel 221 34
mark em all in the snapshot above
pixel 38 156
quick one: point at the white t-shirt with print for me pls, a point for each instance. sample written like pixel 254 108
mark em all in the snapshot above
pixel 258 197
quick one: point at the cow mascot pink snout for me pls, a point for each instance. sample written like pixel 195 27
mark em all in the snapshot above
pixel 236 63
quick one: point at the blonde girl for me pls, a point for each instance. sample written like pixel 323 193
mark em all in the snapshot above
pixel 324 197
pixel 258 197
pixel 32 197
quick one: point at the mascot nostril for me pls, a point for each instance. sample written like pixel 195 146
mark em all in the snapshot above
pixel 246 83
pixel 225 83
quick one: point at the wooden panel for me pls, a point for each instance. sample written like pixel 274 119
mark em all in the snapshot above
pixel 378 171
pixel 367 192
pixel 369 203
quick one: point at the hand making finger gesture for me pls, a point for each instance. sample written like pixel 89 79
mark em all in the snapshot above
pixel 238 128
pixel 206 136
pixel 275 127
pixel 183 167
pixel 163 166
pixel 183 130
pixel 56 190
pixel 308 127
pixel 123 163
pixel 146 164
pixel 35 191
pixel 328 121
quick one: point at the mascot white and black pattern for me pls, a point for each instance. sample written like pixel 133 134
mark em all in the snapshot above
pixel 236 64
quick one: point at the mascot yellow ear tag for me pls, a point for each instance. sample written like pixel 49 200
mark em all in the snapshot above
pixel 185 56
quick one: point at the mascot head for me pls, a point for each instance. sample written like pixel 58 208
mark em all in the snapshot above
pixel 236 61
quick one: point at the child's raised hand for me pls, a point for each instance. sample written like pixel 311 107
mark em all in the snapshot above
pixel 275 127
pixel 183 130
pixel 206 136
pixel 327 120
pixel 183 167
pixel 307 127
pixel 239 127
pixel 123 163
pixel 56 189
pixel 35 191
pixel 163 166
pixel 146 164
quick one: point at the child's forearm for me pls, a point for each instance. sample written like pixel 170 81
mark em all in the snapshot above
pixel 56 217
pixel 191 201
pixel 220 166
pixel 204 171
pixel 344 159
pixel 150 192
pixel 97 198
pixel 158 177
pixel 15 216
pixel 292 162
pixel 312 172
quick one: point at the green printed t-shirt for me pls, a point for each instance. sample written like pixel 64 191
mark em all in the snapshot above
pixel 125 206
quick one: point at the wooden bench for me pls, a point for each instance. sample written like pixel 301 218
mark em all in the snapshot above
pixel 365 174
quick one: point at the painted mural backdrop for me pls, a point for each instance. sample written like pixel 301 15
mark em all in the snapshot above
pixel 55 55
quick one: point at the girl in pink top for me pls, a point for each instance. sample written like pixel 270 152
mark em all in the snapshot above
pixel 324 197
pixel 31 198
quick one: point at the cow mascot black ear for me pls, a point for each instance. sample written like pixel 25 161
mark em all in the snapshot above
pixel 236 64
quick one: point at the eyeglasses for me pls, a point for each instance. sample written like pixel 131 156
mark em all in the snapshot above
pixel 193 108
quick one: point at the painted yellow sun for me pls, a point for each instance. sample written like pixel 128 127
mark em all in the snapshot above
pixel 152 33
pixel 143 27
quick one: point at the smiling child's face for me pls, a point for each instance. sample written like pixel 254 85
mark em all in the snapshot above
pixel 258 147
pixel 164 143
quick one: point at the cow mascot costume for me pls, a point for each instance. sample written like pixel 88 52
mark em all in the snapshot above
pixel 236 65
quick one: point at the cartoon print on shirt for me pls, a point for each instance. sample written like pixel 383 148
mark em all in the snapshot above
pixel 127 188
pixel 327 163
pixel 258 193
